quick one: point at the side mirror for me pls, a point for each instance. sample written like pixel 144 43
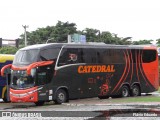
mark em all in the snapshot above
pixel 5 69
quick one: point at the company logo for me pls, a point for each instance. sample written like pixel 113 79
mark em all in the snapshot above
pixel 96 69
pixel 21 114
pixel 6 114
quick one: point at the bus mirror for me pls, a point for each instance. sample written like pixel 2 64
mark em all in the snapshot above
pixel 37 64
pixel 4 69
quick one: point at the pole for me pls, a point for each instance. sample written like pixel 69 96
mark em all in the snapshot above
pixel 25 34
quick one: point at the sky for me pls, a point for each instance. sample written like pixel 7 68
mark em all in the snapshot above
pixel 139 19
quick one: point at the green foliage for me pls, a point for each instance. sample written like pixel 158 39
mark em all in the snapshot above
pixel 158 42
pixel 59 33
pixel 149 98
pixel 142 42
pixel 92 35
pixel 8 50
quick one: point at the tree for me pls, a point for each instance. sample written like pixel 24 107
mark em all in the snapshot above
pixel 158 42
pixel 62 30
pixel 58 33
pixel 125 41
pixel 142 42
pixel 8 50
pixel 92 35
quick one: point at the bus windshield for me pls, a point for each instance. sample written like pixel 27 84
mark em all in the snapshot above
pixel 20 79
pixel 26 57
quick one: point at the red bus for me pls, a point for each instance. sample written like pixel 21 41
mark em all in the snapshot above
pixel 60 72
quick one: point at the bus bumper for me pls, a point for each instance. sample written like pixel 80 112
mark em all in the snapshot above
pixel 28 95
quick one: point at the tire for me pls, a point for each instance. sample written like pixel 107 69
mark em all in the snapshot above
pixel 125 91
pixel 61 96
pixel 136 90
pixel 103 97
pixel 39 103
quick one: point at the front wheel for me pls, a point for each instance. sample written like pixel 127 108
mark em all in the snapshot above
pixel 61 96
pixel 125 91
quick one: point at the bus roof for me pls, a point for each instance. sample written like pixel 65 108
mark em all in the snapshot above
pixel 51 45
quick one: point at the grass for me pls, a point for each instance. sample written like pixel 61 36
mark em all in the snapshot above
pixel 144 98
pixel 150 98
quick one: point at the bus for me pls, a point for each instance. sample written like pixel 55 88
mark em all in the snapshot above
pixel 5 59
pixel 59 72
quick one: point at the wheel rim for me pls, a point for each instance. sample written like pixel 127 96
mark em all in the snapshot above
pixel 135 91
pixel 125 92
pixel 61 96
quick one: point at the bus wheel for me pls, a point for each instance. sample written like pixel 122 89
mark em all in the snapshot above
pixel 39 103
pixel 136 91
pixel 125 91
pixel 61 96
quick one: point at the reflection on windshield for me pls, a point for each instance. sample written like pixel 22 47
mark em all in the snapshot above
pixel 26 57
pixel 21 80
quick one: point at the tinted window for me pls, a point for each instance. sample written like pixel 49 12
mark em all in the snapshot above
pixel 107 56
pixel 44 75
pixel 149 56
pixel 70 56
pixel 49 54
pixel 89 55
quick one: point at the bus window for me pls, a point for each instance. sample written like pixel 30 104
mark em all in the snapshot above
pixel 149 56
pixel 49 54
pixel 70 56
pixel 42 78
pixel 89 55
pixel 44 75
pixel 109 56
pixel 26 57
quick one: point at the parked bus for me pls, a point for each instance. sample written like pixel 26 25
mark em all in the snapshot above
pixel 60 72
pixel 4 60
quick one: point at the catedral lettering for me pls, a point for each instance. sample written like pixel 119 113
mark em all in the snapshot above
pixel 96 69
pixel 59 72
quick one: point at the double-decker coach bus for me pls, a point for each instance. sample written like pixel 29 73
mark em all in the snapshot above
pixel 5 59
pixel 59 72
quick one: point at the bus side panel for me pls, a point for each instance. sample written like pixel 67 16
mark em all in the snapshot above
pixel 150 70
pixel 133 72
pixel 77 84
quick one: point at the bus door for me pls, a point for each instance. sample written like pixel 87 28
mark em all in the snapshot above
pixel 44 77
pixel 45 73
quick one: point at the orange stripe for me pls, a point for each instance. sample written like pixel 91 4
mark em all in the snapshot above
pixel 132 65
pixel 128 59
pixel 121 79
